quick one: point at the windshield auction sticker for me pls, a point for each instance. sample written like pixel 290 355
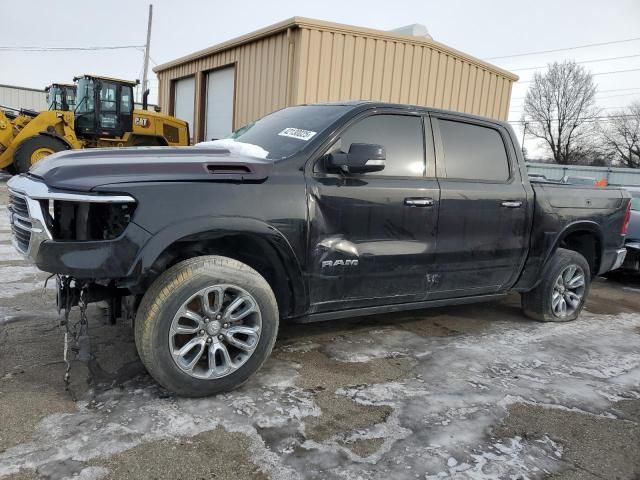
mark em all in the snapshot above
pixel 297 133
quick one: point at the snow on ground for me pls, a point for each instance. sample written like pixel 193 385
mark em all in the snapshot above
pixel 441 413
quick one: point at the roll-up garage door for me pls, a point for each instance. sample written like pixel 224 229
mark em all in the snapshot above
pixel 219 107
pixel 183 100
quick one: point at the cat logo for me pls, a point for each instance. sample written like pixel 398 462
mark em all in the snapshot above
pixel 339 263
pixel 141 122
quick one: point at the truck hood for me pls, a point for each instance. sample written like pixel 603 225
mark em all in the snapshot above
pixel 84 170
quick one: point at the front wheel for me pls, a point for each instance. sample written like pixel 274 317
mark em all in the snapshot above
pixel 206 325
pixel 562 292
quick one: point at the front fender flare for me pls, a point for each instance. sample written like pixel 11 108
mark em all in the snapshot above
pixel 215 227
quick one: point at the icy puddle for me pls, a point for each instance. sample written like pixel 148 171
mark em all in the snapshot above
pixel 432 418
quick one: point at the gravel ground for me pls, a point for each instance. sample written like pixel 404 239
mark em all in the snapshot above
pixel 469 392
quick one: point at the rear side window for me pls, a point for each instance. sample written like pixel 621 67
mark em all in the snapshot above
pixel 400 135
pixel 473 152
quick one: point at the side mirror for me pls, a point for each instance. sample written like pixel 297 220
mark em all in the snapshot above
pixel 362 158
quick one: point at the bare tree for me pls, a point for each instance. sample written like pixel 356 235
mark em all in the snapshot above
pixel 622 135
pixel 558 106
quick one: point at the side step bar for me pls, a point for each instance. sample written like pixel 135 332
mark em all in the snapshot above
pixel 400 307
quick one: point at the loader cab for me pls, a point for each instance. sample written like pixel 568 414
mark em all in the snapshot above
pixel 61 96
pixel 104 107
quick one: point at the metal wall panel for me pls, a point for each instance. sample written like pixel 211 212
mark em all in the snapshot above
pixel 17 97
pixel 305 61
pixel 261 79
pixel 338 65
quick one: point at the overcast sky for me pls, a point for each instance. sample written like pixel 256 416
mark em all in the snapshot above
pixel 484 29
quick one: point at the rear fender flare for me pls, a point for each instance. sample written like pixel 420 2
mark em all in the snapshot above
pixel 577 226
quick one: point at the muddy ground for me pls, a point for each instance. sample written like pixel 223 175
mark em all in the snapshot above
pixel 469 392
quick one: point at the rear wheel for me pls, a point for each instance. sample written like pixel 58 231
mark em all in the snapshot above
pixel 34 149
pixel 206 325
pixel 562 292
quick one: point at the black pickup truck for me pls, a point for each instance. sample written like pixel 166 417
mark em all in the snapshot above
pixel 314 212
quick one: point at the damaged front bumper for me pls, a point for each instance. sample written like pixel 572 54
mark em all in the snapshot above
pixel 34 233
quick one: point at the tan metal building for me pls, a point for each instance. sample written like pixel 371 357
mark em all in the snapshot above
pixel 301 60
pixel 12 96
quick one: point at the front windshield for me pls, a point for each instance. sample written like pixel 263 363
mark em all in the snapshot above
pixel 282 133
pixel 84 96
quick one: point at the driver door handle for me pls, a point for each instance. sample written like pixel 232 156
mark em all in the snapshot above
pixel 418 202
pixel 511 204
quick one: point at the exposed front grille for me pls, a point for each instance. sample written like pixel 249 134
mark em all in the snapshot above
pixel 18 205
pixel 20 222
pixel 22 237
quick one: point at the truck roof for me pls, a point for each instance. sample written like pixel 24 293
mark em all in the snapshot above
pixel 408 107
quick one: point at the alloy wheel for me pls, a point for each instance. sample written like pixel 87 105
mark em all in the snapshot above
pixel 568 291
pixel 215 331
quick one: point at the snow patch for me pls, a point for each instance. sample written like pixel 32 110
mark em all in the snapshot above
pixel 383 393
pixel 380 343
pixel 91 473
pixel 235 147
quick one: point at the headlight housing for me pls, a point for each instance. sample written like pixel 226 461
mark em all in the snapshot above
pixel 78 220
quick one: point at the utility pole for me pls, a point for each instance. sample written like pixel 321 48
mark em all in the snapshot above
pixel 145 82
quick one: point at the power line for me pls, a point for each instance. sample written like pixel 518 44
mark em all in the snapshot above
pixel 621 95
pixel 616 96
pixel 66 49
pixel 618 108
pixel 599 92
pixel 564 49
pixel 586 120
pixel 599 73
pixel 608 59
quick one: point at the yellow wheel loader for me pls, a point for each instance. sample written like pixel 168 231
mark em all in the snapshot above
pixel 104 116
pixel 60 96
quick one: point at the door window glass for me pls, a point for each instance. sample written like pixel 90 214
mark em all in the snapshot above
pixel 473 152
pixel 400 135
pixel 108 97
pixel 108 104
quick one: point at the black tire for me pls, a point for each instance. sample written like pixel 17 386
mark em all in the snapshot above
pixel 169 292
pixel 23 156
pixel 537 303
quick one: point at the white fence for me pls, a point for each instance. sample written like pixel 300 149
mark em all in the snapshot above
pixel 613 175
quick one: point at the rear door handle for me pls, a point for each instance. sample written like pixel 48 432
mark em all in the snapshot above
pixel 419 202
pixel 511 204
